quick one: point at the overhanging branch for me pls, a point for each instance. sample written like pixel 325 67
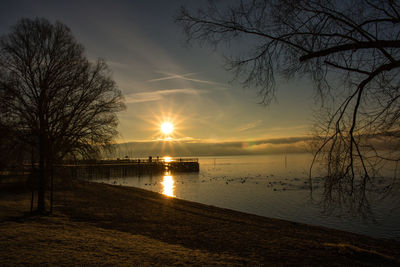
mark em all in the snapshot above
pixel 352 46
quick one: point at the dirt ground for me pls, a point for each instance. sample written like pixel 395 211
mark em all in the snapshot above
pixel 99 224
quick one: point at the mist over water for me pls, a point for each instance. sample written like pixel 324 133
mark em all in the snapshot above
pixel 274 186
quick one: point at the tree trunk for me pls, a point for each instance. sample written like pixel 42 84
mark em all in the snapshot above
pixel 43 160
pixel 41 207
pixel 51 166
pixel 32 182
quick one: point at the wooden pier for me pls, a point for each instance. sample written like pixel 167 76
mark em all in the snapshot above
pixel 92 169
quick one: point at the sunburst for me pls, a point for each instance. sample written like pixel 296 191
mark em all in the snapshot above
pixel 167 126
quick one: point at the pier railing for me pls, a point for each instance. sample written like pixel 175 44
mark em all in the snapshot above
pixel 128 167
pixel 107 168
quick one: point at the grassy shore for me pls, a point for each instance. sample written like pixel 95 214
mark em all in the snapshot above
pixel 98 224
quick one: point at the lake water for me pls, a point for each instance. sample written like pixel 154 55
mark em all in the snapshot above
pixel 276 186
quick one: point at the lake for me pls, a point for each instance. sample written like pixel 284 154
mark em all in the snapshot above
pixel 277 186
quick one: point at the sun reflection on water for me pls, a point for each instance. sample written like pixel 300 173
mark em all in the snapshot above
pixel 168 185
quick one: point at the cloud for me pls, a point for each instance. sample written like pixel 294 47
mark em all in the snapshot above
pixel 186 139
pixel 248 126
pixel 195 147
pixel 159 94
pixel 290 128
pixel 170 76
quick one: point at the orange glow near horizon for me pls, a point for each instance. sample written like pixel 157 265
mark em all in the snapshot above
pixel 167 159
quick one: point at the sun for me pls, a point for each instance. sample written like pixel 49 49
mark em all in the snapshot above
pixel 167 127
pixel 166 124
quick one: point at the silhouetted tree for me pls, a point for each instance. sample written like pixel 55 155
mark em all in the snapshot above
pixel 350 49
pixel 56 101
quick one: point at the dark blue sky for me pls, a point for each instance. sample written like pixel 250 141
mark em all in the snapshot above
pixel 163 79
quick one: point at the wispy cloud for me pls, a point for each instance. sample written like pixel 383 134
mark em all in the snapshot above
pixel 186 77
pixel 248 126
pixel 170 76
pixel 182 140
pixel 159 94
pixel 196 147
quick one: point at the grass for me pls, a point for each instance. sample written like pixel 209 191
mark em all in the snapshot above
pixel 98 224
pixel 57 240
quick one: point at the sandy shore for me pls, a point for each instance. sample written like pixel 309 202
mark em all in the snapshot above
pixel 98 224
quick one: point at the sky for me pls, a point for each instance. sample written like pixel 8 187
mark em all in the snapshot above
pixel 164 79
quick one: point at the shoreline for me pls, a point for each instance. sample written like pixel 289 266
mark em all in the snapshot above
pixel 217 236
pixel 260 215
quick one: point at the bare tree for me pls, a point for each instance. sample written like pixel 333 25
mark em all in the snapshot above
pixel 350 49
pixel 56 101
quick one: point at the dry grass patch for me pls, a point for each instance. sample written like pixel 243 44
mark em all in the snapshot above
pixel 58 241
